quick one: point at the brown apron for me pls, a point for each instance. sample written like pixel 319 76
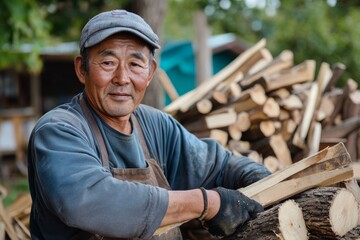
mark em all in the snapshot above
pixel 151 175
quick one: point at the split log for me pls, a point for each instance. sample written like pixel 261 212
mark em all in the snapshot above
pixel 342 129
pixel 265 183
pixel 338 69
pixel 276 193
pixel 271 163
pixel 302 130
pixel 258 131
pixel 250 99
pixel 2 230
pixel 283 61
pixel 329 212
pixel 303 72
pixel 269 110
pixel 167 85
pixel 283 221
pixel 7 220
pixel 350 86
pixel 212 121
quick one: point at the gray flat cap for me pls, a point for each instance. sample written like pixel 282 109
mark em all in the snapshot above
pixel 108 23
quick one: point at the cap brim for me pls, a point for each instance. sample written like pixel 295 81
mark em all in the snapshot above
pixel 105 33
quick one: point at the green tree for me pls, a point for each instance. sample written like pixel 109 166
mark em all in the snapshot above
pixel 23 32
pixel 326 31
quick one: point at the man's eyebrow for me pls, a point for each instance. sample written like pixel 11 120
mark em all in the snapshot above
pixel 139 55
pixel 107 52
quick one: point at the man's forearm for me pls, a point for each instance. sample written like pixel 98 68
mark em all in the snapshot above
pixel 187 205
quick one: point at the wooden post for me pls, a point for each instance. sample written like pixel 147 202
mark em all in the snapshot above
pixel 202 50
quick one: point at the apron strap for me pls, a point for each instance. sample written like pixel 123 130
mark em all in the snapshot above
pixel 141 136
pixel 93 125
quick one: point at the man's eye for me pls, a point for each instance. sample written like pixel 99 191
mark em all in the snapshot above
pixel 136 64
pixel 108 63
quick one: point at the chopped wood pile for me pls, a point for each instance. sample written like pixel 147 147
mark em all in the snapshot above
pixel 286 117
pixel 314 198
pixel 273 111
pixel 15 218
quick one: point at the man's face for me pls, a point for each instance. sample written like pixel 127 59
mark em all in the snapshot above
pixel 120 69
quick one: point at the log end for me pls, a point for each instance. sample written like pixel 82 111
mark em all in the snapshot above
pixel 344 212
pixel 291 221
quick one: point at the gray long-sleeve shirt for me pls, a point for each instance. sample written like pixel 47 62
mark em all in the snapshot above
pixel 71 189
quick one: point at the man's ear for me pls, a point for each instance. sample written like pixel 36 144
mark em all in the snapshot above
pixel 80 72
pixel 152 71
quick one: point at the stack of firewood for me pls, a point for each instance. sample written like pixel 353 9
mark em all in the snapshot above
pixel 285 116
pixel 15 218
pixel 273 111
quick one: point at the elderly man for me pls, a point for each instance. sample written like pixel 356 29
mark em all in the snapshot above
pixel 104 166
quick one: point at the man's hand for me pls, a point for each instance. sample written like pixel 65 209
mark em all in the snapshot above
pixel 235 210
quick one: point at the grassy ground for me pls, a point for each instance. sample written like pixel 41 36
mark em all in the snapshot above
pixel 14 187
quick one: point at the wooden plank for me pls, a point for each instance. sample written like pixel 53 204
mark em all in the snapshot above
pixel 302 130
pixel 279 176
pixel 276 193
pixel 167 84
pixel 303 72
pixel 283 61
pixel 342 129
pixel 4 217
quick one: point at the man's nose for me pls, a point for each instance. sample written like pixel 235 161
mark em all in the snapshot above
pixel 121 77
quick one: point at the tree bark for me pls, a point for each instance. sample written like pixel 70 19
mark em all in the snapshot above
pixel 283 221
pixel 329 212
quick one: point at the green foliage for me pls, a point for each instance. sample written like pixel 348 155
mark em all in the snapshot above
pixel 23 26
pixel 15 188
pixel 314 30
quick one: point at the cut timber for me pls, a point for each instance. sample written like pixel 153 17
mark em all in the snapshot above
pixel 326 108
pixel 340 161
pixel 292 102
pixel 283 61
pixel 325 154
pixel 212 121
pixel 220 136
pixel 217 134
pixel 239 146
pixel 234 132
pixel 338 69
pixel 2 230
pixel 276 193
pixel 201 108
pixel 184 103
pixel 271 163
pixel 269 110
pixel 314 138
pixel 250 99
pixel 20 206
pixel 303 72
pixel 302 130
pixel 281 150
pixel 167 85
pixel 243 121
pixel 258 131
pixel 350 86
pixel 322 80
pixel 270 190
pixel 342 129
pixel 283 221
pixel 7 220
pixel 288 128
pixel 221 119
pixel 329 212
